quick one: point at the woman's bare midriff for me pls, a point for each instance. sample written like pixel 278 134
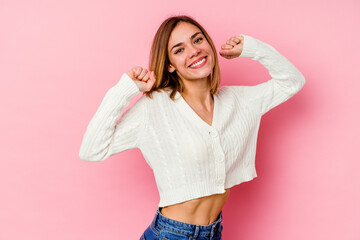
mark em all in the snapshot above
pixel 200 211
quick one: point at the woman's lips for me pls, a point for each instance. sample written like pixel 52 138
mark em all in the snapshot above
pixel 200 65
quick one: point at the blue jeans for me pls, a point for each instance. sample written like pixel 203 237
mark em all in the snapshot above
pixel 163 228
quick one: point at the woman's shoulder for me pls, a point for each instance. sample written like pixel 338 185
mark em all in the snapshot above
pixel 226 90
pixel 159 95
pixel 232 92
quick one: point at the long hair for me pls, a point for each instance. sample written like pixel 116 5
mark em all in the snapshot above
pixel 159 59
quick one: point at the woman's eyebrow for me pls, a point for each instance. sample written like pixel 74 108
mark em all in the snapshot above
pixel 192 37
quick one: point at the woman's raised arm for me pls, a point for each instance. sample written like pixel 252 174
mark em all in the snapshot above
pixel 104 137
pixel 286 79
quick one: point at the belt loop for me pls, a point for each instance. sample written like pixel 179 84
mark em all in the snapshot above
pixel 197 229
pixel 217 224
pixel 212 232
pixel 157 215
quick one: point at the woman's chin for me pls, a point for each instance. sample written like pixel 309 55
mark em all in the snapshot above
pixel 203 73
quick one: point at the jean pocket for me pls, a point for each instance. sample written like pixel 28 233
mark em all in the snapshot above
pixel 170 235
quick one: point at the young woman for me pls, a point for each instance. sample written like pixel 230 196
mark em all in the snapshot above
pixel 199 139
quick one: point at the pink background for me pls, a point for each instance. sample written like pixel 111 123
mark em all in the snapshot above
pixel 58 59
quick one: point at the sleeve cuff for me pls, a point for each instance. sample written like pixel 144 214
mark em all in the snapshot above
pixel 249 47
pixel 127 86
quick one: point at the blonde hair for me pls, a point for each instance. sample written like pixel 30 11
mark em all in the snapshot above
pixel 159 59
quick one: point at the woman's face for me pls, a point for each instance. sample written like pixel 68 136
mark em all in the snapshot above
pixel 189 52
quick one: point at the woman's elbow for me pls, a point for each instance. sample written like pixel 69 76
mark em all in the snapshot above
pixel 86 156
pixel 298 82
pixel 301 82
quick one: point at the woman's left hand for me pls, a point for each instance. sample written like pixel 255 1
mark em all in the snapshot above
pixel 232 48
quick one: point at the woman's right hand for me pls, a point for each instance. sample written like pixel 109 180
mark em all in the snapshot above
pixel 143 78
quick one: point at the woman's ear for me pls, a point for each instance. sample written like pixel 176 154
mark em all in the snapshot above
pixel 171 68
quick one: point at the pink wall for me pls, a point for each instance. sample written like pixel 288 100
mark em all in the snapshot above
pixel 57 60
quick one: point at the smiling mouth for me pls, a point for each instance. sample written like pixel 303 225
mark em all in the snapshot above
pixel 199 63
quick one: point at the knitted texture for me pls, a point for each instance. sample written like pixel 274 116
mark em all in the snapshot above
pixel 190 158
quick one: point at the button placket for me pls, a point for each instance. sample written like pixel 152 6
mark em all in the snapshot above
pixel 213 133
pixel 219 160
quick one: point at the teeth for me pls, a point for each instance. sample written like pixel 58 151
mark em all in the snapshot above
pixel 200 62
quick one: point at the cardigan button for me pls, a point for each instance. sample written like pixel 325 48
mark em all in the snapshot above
pixel 213 133
pixel 220 159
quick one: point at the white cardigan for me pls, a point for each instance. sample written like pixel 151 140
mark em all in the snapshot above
pixel 190 158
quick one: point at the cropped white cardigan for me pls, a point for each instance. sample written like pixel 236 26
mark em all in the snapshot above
pixel 190 158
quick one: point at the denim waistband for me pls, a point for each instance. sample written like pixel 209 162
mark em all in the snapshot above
pixel 186 228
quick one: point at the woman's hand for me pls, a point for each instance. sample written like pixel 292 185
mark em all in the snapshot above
pixel 232 48
pixel 143 78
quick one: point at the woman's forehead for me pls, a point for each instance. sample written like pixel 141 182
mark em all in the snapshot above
pixel 182 32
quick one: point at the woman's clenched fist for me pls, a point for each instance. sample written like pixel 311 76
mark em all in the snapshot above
pixel 232 48
pixel 143 78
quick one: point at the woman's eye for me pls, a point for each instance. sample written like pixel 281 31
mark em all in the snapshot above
pixel 178 50
pixel 198 40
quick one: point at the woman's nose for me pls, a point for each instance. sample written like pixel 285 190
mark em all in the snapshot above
pixel 193 51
